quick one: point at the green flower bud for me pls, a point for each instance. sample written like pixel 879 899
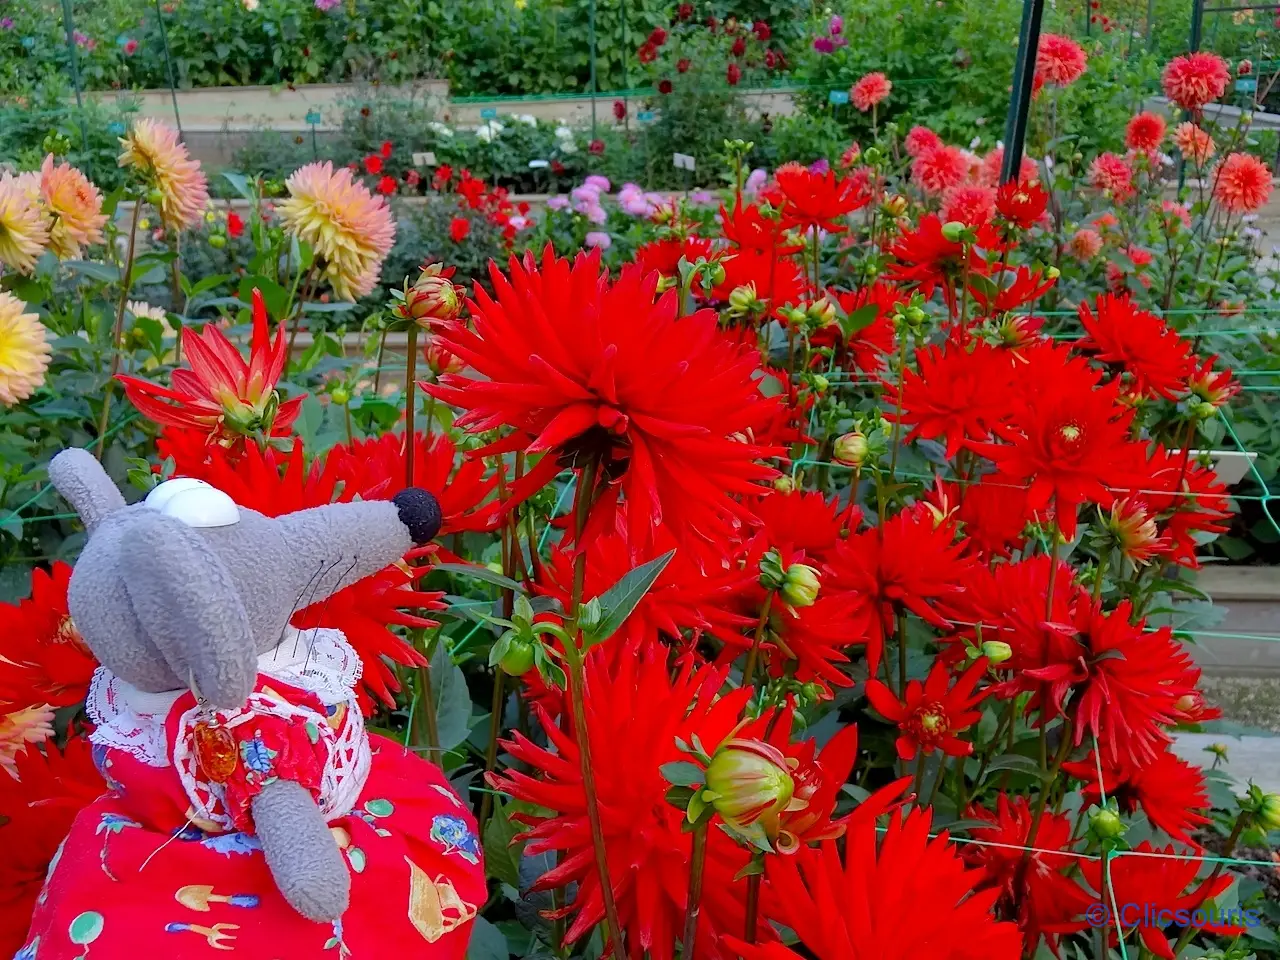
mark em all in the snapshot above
pixel 341 396
pixel 784 484
pixel 217 241
pixel 820 383
pixel 155 197
pixel 1268 815
pixel 953 231
pixel 800 585
pixel 748 782
pixel 851 449
pixel 518 660
pixel 821 312
pixel 996 652
pixel 1106 824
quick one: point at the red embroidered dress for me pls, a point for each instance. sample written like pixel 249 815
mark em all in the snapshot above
pixel 165 864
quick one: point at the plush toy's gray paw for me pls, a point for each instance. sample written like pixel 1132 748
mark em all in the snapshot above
pixel 301 852
pixel 420 512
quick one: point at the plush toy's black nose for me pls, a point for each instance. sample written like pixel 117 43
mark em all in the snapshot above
pixel 420 512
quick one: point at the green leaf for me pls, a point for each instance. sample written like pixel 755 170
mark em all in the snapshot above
pixel 452 701
pixel 501 849
pixel 11 524
pixel 103 272
pixel 860 318
pixel 1016 763
pixel 239 183
pixel 618 601
pixel 682 773
pixel 479 573
pixel 274 296
pixel 487 942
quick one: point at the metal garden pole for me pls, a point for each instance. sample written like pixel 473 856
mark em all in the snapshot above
pixel 70 25
pixel 1197 18
pixel 1024 71
pixel 626 80
pixel 591 37
pixel 168 65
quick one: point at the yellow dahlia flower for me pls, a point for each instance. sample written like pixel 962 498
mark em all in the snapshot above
pixel 29 725
pixel 24 228
pixel 180 190
pixel 75 206
pixel 349 229
pixel 24 350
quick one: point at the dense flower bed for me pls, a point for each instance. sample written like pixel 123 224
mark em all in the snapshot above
pixel 815 550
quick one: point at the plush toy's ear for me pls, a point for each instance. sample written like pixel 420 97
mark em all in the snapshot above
pixel 186 603
pixel 85 485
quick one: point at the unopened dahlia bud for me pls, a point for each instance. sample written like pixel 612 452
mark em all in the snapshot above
pixel 894 206
pixel 784 484
pixel 743 301
pixel 1268 815
pixel 850 449
pixel 821 312
pixel 800 585
pixel 996 651
pixel 953 231
pixel 820 383
pixel 1105 824
pixel 749 782
pixel 433 296
pixel 715 273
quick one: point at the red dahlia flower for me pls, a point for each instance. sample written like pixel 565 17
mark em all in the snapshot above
pixel 44 659
pixel 37 806
pixel 851 907
pixel 1187 497
pixel 1112 173
pixel 957 394
pixel 1242 183
pixel 939 169
pixel 927 259
pixel 992 516
pixel 1021 204
pixel 919 140
pixel 1060 60
pixel 899 566
pixel 1010 290
pixel 1145 132
pixel 1036 886
pixel 1167 789
pixel 638 705
pixel 1068 439
pixel 221 394
pixel 969 204
pixel 1158 878
pixel 870 347
pixel 664 256
pixel 748 228
pixel 1125 684
pixel 1156 358
pixel 929 715
pixel 1193 80
pixel 580 366
pixel 817 200
pixel 870 90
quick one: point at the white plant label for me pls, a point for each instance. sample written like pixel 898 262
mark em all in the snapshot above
pixel 682 161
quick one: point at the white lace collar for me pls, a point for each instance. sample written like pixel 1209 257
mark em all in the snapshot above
pixel 318 660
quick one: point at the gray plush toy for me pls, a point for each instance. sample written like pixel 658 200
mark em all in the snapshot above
pixel 186 591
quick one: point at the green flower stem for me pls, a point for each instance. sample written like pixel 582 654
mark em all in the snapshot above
pixel 410 373
pixel 428 729
pixel 749 672
pixel 126 283
pixel 696 864
pixel 577 706
pixel 753 906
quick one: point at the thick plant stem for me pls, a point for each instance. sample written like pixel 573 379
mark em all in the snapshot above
pixel 696 864
pixel 410 372
pixel 749 672
pixel 753 906
pixel 577 706
pixel 495 728
pixel 126 283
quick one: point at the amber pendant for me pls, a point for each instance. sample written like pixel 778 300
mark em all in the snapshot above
pixel 216 753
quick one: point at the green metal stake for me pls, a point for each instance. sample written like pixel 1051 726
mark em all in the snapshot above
pixel 1024 70
pixel 1197 24
pixel 626 80
pixel 168 65
pixel 591 37
pixel 69 23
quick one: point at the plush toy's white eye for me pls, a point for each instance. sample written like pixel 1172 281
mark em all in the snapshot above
pixel 194 502
pixel 160 496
